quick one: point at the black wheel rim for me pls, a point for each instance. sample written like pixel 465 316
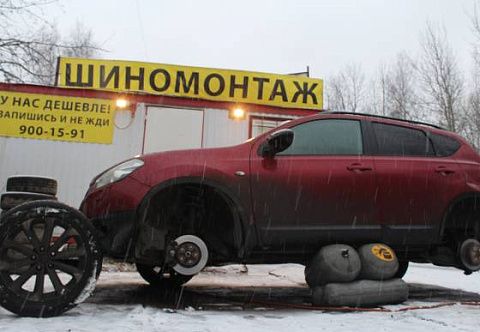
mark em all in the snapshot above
pixel 42 256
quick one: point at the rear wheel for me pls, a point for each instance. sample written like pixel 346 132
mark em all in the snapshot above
pixel 469 255
pixel 48 259
pixel 158 277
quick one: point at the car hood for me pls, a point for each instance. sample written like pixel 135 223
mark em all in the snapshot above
pixel 207 162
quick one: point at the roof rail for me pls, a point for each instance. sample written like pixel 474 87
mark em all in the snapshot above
pixel 385 117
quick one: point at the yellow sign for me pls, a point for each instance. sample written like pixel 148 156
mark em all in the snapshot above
pixel 56 118
pixel 383 252
pixel 192 82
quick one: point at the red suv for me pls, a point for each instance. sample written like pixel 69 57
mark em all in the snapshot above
pixel 329 178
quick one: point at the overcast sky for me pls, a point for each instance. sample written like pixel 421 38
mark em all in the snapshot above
pixel 270 36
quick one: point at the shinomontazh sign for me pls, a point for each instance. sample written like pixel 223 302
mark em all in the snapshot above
pixel 59 118
pixel 191 82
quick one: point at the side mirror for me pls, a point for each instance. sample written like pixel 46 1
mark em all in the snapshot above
pixel 276 142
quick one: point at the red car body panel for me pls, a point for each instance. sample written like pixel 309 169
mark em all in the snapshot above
pixel 300 199
pixel 217 165
pixel 114 198
pixel 302 196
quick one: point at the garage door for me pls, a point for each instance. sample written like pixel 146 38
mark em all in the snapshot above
pixel 173 129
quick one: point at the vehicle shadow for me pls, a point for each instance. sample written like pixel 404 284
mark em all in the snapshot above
pixel 241 298
pixel 434 293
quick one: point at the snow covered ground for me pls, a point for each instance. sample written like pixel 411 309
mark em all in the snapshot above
pixel 237 299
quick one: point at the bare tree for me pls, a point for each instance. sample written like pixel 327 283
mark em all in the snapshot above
pixel 346 90
pixel 377 96
pixel 393 90
pixel 42 62
pixel 79 43
pixel 471 128
pixel 402 98
pixel 440 77
pixel 472 104
pixel 475 21
pixel 15 43
pixel 26 54
pixel 336 94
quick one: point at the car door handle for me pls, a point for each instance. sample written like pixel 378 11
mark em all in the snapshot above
pixel 357 167
pixel 444 170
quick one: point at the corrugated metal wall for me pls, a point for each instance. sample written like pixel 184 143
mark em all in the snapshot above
pixel 219 130
pixel 169 128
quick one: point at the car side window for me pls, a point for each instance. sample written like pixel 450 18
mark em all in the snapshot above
pixel 444 146
pixel 326 137
pixel 401 141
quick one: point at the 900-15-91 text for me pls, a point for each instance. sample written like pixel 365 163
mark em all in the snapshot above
pixel 51 132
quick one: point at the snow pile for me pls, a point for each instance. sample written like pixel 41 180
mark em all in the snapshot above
pixel 89 287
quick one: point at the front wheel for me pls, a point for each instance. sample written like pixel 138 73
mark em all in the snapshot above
pixel 154 275
pixel 49 259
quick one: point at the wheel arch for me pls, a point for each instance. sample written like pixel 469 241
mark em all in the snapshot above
pixel 464 197
pixel 238 210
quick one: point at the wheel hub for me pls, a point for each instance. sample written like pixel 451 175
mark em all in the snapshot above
pixel 190 254
pixel 474 255
pixel 43 258
pixel 470 254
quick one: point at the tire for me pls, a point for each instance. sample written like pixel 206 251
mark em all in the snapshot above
pixel 402 269
pixel 469 255
pixel 333 263
pixel 379 262
pixel 361 293
pixel 32 184
pixel 54 251
pixel 156 279
pixel 9 200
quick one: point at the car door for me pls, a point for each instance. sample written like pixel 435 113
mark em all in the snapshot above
pixel 413 184
pixel 320 189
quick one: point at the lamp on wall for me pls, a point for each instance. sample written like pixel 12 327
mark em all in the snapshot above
pixel 237 113
pixel 122 103
pixel 123 114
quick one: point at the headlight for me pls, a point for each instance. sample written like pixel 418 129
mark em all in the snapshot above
pixel 118 172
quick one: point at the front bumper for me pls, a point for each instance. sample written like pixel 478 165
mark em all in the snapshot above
pixel 113 211
pixel 116 233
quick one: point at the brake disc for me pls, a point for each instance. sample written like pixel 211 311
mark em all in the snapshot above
pixel 190 255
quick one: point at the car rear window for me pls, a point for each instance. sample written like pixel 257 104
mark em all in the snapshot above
pixel 326 137
pixel 444 146
pixel 395 140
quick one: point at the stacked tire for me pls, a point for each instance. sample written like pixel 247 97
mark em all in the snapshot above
pixel 339 275
pixel 22 189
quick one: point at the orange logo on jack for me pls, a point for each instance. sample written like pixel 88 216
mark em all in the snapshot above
pixel 383 252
